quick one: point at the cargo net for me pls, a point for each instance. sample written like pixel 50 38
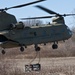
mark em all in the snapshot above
pixel 34 67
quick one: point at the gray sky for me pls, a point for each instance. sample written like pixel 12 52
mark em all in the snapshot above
pixel 59 6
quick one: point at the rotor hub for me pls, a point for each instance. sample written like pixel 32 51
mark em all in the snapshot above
pixel 58 20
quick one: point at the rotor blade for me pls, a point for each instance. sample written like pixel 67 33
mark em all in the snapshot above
pixel 68 15
pixel 47 10
pixel 37 17
pixel 18 6
pixel 43 17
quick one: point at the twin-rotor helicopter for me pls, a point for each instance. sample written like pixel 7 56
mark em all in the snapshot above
pixel 16 34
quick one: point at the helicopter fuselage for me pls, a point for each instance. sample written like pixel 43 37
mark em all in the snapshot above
pixel 15 34
pixel 35 35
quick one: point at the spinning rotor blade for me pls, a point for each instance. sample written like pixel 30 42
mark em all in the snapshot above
pixel 25 4
pixel 43 17
pixel 52 12
pixel 37 17
pixel 18 6
pixel 68 15
pixel 48 10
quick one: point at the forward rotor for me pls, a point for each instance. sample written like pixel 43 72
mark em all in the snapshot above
pixel 19 6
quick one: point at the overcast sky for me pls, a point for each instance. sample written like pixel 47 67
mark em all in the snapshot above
pixel 59 6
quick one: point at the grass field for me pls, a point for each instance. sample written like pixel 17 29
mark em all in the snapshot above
pixel 50 66
pixel 53 62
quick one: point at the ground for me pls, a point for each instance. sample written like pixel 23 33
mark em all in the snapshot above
pixel 60 61
pixel 50 66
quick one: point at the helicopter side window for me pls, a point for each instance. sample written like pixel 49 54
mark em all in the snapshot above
pixel 37 24
pixel 49 23
pixel 35 34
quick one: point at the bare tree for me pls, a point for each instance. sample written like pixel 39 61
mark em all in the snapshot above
pixel 73 28
pixel 73 36
pixel 33 22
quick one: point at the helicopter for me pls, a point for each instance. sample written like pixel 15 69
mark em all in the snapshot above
pixel 16 34
pixel 13 33
pixel 52 32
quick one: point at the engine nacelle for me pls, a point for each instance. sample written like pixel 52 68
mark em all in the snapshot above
pixel 58 20
pixel 18 25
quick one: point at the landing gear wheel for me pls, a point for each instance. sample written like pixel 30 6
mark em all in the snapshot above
pixel 21 49
pixel 54 46
pixel 3 52
pixel 37 49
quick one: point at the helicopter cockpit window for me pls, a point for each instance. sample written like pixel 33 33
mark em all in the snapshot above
pixel 70 32
pixel 68 28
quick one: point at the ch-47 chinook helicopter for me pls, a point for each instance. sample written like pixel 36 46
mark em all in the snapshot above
pixel 54 32
pixel 13 33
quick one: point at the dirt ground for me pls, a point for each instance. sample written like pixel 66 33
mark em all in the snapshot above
pixel 53 62
pixel 49 66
